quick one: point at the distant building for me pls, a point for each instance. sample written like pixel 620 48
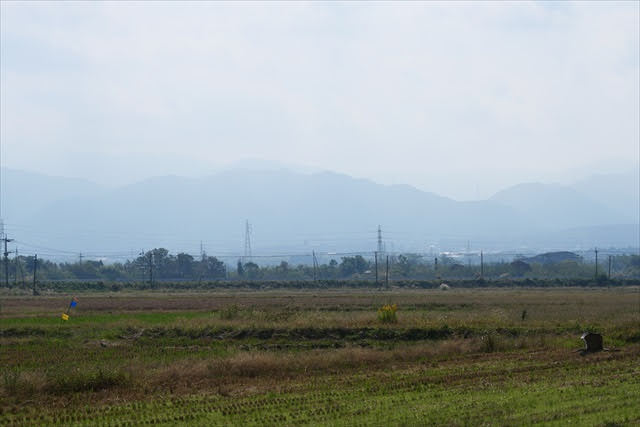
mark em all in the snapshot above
pixel 553 258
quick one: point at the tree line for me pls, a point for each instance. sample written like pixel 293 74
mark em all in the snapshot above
pixel 160 265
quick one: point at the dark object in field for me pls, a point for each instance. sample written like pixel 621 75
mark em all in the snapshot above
pixel 592 342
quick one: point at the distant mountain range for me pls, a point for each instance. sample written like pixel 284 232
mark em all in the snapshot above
pixel 554 207
pixel 298 212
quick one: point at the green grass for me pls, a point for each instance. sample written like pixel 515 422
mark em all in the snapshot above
pixel 547 392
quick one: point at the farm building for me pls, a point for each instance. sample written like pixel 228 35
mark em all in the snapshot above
pixel 553 258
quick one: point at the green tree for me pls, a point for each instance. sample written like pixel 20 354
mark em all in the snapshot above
pixel 282 270
pixel 213 268
pixel 240 269
pixel 185 265
pixel 352 265
pixel 519 268
pixel 163 263
pixel 403 266
pixel 253 270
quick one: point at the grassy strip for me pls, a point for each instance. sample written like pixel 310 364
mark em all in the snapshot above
pixel 548 391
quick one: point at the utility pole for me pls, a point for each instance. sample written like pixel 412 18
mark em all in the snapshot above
pixel 386 276
pixel 151 268
pixel 150 260
pixel 35 272
pixel 6 259
pixel 596 262
pixel 481 265
pixel 376 257
pixel 315 265
pixel 610 259
pixel 80 257
pixel 15 278
pixel 24 282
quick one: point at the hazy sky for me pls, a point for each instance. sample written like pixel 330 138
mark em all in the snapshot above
pixel 458 98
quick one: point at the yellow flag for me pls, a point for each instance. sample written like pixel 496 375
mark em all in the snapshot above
pixel 65 316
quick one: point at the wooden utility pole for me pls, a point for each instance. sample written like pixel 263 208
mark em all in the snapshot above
pixel 481 265
pixel 386 276
pixel 151 268
pixel 596 262
pixel 610 258
pixel 15 277
pixel 6 259
pixel 35 272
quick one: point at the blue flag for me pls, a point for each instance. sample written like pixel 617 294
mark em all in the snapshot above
pixel 73 303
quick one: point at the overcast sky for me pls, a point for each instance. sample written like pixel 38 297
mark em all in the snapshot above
pixel 458 98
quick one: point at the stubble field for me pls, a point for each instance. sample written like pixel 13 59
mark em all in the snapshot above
pixel 456 357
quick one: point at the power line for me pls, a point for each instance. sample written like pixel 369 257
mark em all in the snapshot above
pixel 73 254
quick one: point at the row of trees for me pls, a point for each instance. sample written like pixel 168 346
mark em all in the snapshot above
pixel 159 264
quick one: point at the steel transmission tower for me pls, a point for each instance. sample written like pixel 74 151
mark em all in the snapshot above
pixel 247 242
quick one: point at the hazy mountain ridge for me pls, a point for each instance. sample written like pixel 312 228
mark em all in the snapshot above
pixel 25 193
pixel 557 207
pixel 619 191
pixel 290 210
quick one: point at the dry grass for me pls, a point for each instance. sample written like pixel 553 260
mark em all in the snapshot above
pixel 276 367
pixel 183 351
pixel 578 300
pixel 189 374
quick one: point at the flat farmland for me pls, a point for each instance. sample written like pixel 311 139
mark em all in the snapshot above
pixel 321 357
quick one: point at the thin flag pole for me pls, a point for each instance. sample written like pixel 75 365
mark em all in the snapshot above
pixel 72 303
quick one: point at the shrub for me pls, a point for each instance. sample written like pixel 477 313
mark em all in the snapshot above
pixel 229 312
pixel 11 380
pixel 387 313
pixel 491 342
pixel 82 381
